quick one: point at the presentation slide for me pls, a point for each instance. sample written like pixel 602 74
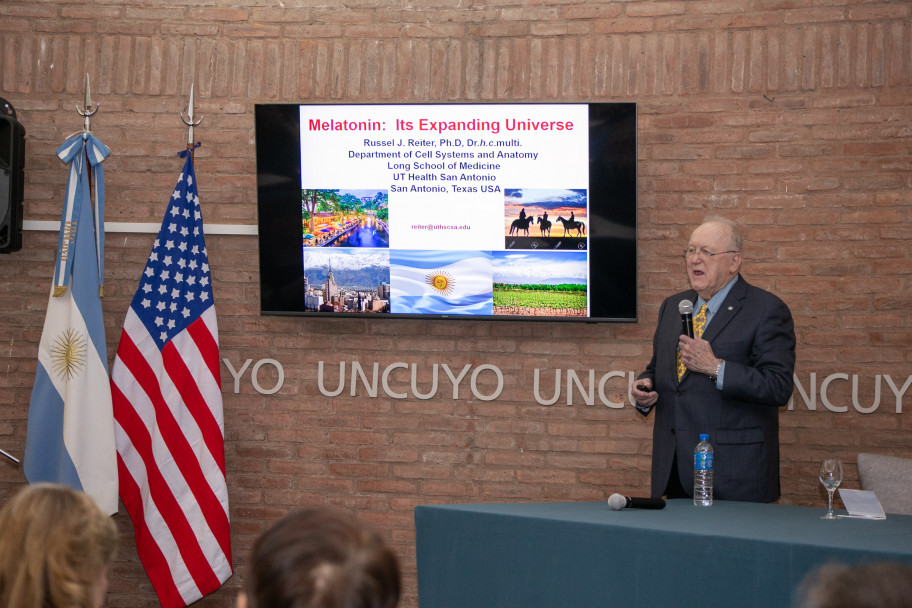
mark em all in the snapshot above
pixel 448 169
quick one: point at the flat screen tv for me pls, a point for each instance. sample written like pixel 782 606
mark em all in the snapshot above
pixel 481 211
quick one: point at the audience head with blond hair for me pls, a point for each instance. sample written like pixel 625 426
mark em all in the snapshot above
pixel 321 558
pixel 56 545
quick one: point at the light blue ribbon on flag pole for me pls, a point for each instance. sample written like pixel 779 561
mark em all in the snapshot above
pixel 75 152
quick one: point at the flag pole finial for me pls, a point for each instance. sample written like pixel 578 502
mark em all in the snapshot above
pixel 189 120
pixel 87 110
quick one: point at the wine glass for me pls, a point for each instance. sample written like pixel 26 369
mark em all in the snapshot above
pixel 830 477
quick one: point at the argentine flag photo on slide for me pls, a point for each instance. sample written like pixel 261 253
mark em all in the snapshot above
pixel 441 282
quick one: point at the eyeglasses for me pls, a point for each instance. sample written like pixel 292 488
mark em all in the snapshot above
pixel 692 252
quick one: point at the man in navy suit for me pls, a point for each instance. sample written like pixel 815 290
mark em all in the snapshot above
pixel 735 376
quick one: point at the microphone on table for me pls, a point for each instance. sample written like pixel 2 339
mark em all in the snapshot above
pixel 617 502
pixel 686 308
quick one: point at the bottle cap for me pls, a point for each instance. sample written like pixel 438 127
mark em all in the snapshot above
pixel 704 437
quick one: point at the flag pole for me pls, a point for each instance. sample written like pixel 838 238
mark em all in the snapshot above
pixel 87 112
pixel 10 456
pixel 189 122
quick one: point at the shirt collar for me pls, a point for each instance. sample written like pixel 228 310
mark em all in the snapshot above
pixel 716 301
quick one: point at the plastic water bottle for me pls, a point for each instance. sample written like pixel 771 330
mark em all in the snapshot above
pixel 703 472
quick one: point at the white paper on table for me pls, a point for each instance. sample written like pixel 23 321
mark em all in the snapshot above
pixel 861 503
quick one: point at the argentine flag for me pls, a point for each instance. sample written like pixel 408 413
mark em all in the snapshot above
pixel 70 437
pixel 441 282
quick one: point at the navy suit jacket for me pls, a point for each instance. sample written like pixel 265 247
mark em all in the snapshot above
pixel 753 332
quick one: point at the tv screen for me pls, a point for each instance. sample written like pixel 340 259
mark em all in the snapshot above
pixel 483 211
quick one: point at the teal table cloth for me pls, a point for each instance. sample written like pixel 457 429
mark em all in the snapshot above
pixel 584 554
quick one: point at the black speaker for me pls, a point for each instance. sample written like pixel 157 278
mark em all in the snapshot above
pixel 12 178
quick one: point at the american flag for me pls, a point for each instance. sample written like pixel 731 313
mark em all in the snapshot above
pixel 169 429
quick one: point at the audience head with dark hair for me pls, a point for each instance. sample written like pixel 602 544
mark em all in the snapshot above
pixel 56 545
pixel 872 585
pixel 321 558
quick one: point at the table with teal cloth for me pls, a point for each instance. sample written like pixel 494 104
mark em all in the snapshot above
pixel 582 554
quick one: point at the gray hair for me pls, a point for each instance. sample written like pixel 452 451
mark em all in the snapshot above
pixel 736 239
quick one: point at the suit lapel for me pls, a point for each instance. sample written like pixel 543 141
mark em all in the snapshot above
pixel 731 306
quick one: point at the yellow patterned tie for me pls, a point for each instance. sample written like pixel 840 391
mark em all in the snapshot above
pixel 699 322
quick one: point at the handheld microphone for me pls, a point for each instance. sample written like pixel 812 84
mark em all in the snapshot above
pixel 616 502
pixel 686 308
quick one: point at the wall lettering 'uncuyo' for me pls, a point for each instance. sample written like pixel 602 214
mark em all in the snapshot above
pixel 400 380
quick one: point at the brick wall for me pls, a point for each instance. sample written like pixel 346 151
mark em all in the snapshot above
pixel 792 117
